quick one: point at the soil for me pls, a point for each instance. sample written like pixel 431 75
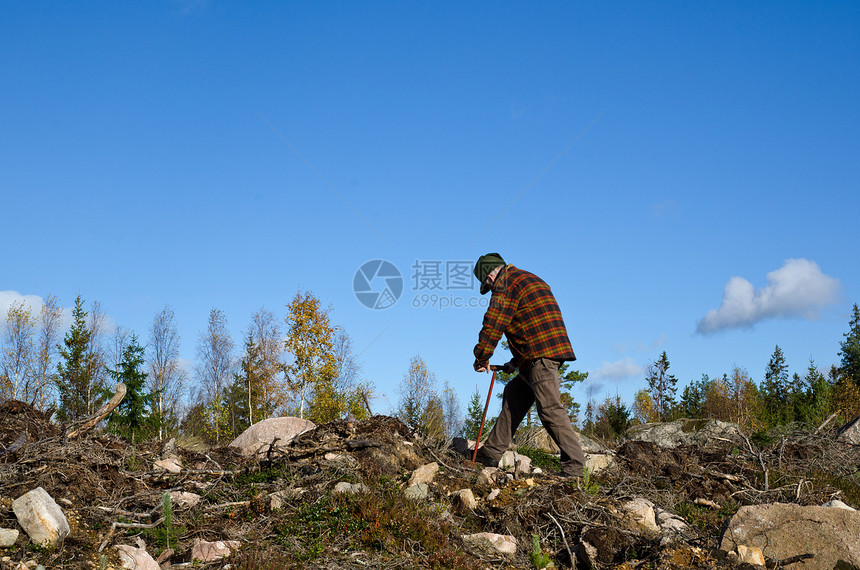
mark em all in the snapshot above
pixel 99 480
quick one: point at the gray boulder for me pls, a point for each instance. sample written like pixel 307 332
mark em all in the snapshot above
pixel 538 438
pixel 258 437
pixel 686 432
pixel 786 530
pixel 850 432
pixel 41 517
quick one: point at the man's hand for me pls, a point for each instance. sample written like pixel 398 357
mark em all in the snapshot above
pixel 509 367
pixel 481 366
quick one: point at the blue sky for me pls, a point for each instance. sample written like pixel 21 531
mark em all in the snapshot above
pixel 684 175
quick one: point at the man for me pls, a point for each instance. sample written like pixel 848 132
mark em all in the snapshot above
pixel 523 308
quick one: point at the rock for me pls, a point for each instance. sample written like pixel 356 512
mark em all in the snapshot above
pixel 136 558
pixel 672 527
pixel 850 432
pixel 41 517
pixel 258 437
pixel 493 494
pixel 212 551
pixel 513 461
pixel 278 499
pixel 785 530
pixel 170 449
pixel 417 492
pixel 487 476
pixel 184 499
pixel 641 511
pixel 498 543
pixel 424 474
pixel 837 504
pixel 538 438
pixel 464 499
pixel 342 459
pixel 750 555
pixel 171 465
pixel 8 536
pixel 685 432
pixel 350 488
pixel 597 462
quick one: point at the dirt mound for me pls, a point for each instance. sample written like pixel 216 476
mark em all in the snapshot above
pixel 335 498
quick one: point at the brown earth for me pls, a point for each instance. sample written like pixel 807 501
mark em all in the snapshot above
pixel 100 480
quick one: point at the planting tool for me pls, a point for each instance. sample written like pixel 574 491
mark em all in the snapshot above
pixel 494 368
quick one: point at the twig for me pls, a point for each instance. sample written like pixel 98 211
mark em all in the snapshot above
pixel 117 524
pixel 442 463
pixel 564 539
pixel 225 505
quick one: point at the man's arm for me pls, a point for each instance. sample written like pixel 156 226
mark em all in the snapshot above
pixel 497 318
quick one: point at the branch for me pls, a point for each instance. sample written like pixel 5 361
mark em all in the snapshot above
pixel 102 413
pixel 827 421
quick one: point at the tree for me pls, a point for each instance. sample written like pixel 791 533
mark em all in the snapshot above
pixel 74 380
pixel 774 390
pixel 474 413
pixel 567 381
pixel 16 361
pixel 451 411
pixel 849 351
pixel 47 334
pixel 310 341
pixel 643 407
pixel 214 370
pixel 356 390
pixel 269 394
pixel 820 393
pixel 661 387
pixel 613 418
pixel 693 397
pixel 97 391
pixel 133 418
pixel 166 376
pixel 420 407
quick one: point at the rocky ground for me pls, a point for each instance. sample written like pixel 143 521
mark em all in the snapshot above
pixel 373 495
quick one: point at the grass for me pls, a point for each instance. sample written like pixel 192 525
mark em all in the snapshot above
pixel 381 520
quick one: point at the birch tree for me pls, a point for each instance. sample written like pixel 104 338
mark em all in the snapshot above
pixel 47 334
pixel 17 362
pixel 166 379
pixel 215 368
pixel 310 342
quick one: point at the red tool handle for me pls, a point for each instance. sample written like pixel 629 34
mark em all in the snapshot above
pixel 484 417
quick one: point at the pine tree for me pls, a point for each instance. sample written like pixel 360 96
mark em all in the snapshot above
pixel 133 418
pixel 75 366
pixel 849 351
pixel 662 387
pixel 774 390
pixel 472 422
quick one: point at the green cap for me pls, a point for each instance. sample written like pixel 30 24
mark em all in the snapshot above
pixel 486 264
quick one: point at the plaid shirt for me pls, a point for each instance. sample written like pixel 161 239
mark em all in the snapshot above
pixel 524 309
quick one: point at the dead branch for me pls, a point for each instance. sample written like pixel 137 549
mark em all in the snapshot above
pixel 827 421
pixel 117 524
pixel 118 395
pixel 566 545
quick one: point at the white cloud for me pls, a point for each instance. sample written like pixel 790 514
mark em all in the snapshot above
pixel 618 370
pixel 797 289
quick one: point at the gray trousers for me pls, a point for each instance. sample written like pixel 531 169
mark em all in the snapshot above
pixel 537 382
